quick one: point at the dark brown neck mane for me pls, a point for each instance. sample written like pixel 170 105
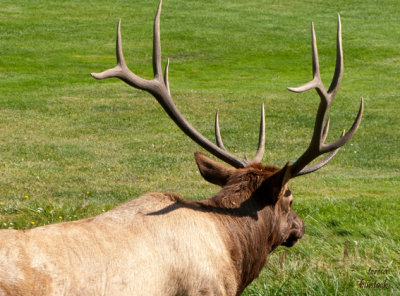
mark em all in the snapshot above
pixel 249 222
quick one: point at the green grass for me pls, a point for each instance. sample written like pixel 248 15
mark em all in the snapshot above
pixel 72 147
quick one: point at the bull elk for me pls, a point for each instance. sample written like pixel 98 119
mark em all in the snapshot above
pixel 162 244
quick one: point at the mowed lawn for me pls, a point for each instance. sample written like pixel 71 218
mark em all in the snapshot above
pixel 72 147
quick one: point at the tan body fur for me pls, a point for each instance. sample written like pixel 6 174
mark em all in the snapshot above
pixel 121 252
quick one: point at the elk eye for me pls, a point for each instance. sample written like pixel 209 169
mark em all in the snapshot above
pixel 288 193
pixel 291 202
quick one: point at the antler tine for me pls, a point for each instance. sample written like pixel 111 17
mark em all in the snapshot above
pixel 218 138
pixel 119 52
pixel 318 165
pixel 159 88
pixel 316 82
pixel 346 137
pixel 261 139
pixel 121 71
pixel 166 76
pixel 157 44
pixel 325 131
pixel 337 77
pixel 317 146
pixel 324 161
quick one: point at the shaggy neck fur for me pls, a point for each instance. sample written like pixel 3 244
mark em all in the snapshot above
pixel 249 222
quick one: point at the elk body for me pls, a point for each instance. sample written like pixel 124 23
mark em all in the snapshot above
pixel 161 244
pixel 158 244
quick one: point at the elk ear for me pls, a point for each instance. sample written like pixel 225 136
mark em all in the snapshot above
pixel 211 170
pixel 282 177
pixel 275 185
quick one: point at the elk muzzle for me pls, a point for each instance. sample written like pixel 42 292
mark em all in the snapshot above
pixel 296 231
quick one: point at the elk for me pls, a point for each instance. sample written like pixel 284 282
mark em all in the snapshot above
pixel 162 244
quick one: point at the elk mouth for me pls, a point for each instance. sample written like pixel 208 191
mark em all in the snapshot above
pixel 293 238
pixel 290 242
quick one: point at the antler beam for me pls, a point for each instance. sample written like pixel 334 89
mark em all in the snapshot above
pixel 159 88
pixel 317 146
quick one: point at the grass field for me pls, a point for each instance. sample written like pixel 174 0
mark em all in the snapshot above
pixel 72 147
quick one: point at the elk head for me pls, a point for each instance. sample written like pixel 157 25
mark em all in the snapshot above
pixel 255 192
pixel 249 187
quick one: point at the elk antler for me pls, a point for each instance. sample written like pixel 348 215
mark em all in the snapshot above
pixel 317 146
pixel 159 88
